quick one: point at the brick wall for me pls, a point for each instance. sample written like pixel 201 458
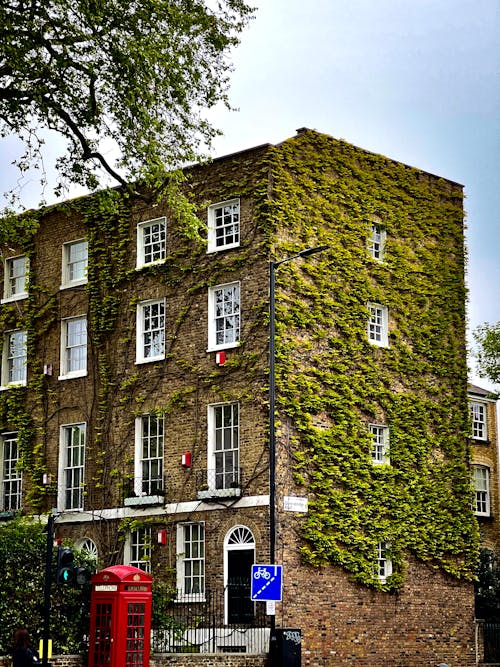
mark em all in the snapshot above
pixel 160 660
pixel 55 661
pixel 430 621
pixel 486 453
pixel 208 660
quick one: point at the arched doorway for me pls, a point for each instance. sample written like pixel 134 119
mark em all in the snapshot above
pixel 239 556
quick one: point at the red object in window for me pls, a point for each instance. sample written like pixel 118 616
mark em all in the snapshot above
pixel 186 459
pixel 220 358
pixel 162 536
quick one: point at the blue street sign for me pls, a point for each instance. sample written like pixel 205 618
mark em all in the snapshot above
pixel 267 582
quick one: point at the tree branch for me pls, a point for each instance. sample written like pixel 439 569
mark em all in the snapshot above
pixel 87 152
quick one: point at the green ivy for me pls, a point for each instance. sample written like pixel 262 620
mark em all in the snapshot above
pixel 332 383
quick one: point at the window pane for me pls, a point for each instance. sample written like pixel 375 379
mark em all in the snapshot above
pixel 76 260
pixel 226 314
pixel 76 345
pixel 376 242
pixel 16 357
pixel 226 444
pixel 225 220
pixel 140 549
pixel 74 443
pixel 193 561
pixel 153 330
pixel 11 491
pixel 16 274
pixel 152 454
pixel 154 235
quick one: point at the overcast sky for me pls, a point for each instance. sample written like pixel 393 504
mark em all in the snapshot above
pixel 415 80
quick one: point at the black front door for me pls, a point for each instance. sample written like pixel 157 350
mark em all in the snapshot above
pixel 239 570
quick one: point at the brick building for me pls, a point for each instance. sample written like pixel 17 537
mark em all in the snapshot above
pixel 135 393
pixel 484 459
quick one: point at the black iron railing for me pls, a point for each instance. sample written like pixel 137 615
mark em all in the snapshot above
pixel 214 483
pixel 216 622
pixel 491 638
pixel 152 488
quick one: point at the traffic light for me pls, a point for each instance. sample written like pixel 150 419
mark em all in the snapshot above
pixel 82 576
pixel 65 567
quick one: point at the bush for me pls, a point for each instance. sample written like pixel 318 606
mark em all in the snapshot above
pixel 23 546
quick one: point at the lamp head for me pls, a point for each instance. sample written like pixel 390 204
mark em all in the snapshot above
pixel 312 251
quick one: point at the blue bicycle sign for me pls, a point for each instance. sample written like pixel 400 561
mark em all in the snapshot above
pixel 267 583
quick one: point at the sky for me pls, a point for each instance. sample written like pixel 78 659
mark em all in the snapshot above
pixel 415 80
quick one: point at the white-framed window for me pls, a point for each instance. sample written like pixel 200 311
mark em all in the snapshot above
pixel 11 477
pixel 478 418
pixel 74 263
pixel 150 331
pixel 149 447
pixel 14 358
pixel 481 483
pixel 72 466
pixel 378 324
pixel 138 549
pixel 384 563
pixel 224 225
pixel 191 560
pixel 223 446
pixel 376 241
pixel 151 242
pixel 224 316
pixel 73 347
pixel 15 278
pixel 380 443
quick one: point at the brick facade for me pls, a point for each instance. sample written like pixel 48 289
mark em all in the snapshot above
pixel 430 619
pixel 484 452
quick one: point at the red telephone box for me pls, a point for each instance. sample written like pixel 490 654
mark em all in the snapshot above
pixel 120 617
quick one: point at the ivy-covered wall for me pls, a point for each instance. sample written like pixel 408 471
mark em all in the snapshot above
pixel 115 389
pixel 309 191
pixel 331 382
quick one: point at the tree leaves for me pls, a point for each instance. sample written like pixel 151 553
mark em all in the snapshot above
pixel 126 84
pixel 487 336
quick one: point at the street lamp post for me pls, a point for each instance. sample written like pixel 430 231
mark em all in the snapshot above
pixel 272 409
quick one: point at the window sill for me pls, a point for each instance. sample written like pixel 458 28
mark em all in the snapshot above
pixel 212 249
pixel 226 346
pixel 14 297
pixel 75 283
pixel 150 360
pixel 218 494
pixel 139 267
pixel 74 510
pixel 72 376
pixel 143 500
pixel 382 344
pixel 12 385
